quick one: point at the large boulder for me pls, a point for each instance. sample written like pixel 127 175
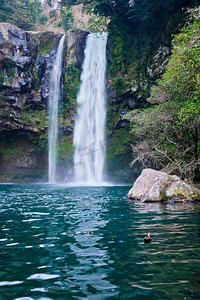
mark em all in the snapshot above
pixel 154 185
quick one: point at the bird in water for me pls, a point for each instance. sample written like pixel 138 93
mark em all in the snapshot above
pixel 147 238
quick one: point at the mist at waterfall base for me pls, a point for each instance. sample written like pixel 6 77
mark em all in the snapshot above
pixel 89 131
pixel 54 98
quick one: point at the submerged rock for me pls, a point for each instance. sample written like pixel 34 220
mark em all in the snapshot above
pixel 154 185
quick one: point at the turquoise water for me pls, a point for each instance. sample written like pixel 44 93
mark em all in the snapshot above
pixel 87 243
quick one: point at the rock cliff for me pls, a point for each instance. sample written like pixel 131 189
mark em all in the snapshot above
pixel 26 61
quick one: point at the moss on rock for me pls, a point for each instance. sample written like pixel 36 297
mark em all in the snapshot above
pixel 45 41
pixel 18 161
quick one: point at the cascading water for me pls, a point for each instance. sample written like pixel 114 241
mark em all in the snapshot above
pixel 54 97
pixel 89 140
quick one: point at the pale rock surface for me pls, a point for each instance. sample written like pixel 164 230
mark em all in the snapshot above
pixel 154 185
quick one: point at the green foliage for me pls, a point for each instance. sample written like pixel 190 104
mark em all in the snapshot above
pixel 39 120
pixel 35 79
pixel 136 29
pixel 1 77
pixel 9 66
pixel 118 83
pixel 69 3
pixel 191 110
pixel 89 6
pixel 182 78
pixel 23 13
pixel 67 18
pixel 160 142
pixel 118 149
pixel 35 118
pixel 71 86
pixel 35 10
pixel 158 94
pixel 15 151
pixel 169 133
pixel 43 19
pixel 10 147
pixel 6 112
pixel 49 3
pixel 8 150
pixel 66 150
pixel 45 41
pixel 53 13
pixel 117 58
pixel 131 52
pixel 97 24
pixel 7 72
pixel 135 11
pixel 118 143
pixel 112 117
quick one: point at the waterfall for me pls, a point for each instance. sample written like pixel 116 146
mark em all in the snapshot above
pixel 54 97
pixel 89 140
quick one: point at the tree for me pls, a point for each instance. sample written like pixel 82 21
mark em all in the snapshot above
pixel 169 133
pixel 22 13
pixel 131 11
pixel 67 18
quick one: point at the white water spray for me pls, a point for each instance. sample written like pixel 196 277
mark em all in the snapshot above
pixel 89 140
pixel 54 97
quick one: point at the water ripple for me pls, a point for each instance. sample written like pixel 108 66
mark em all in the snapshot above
pixel 88 244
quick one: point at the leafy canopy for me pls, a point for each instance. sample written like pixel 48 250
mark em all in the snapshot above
pixel 169 132
pixel 23 13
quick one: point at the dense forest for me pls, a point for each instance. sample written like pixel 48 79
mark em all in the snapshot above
pixel 168 131
pixel 153 58
pixel 23 13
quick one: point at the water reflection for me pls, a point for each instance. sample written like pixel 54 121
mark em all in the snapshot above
pixel 160 264
pixel 71 243
pixel 87 225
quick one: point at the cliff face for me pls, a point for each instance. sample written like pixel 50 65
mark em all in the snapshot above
pixel 128 90
pixel 18 52
pixel 139 50
pixel 26 62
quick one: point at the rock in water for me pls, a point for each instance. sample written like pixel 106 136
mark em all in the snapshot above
pixel 154 185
